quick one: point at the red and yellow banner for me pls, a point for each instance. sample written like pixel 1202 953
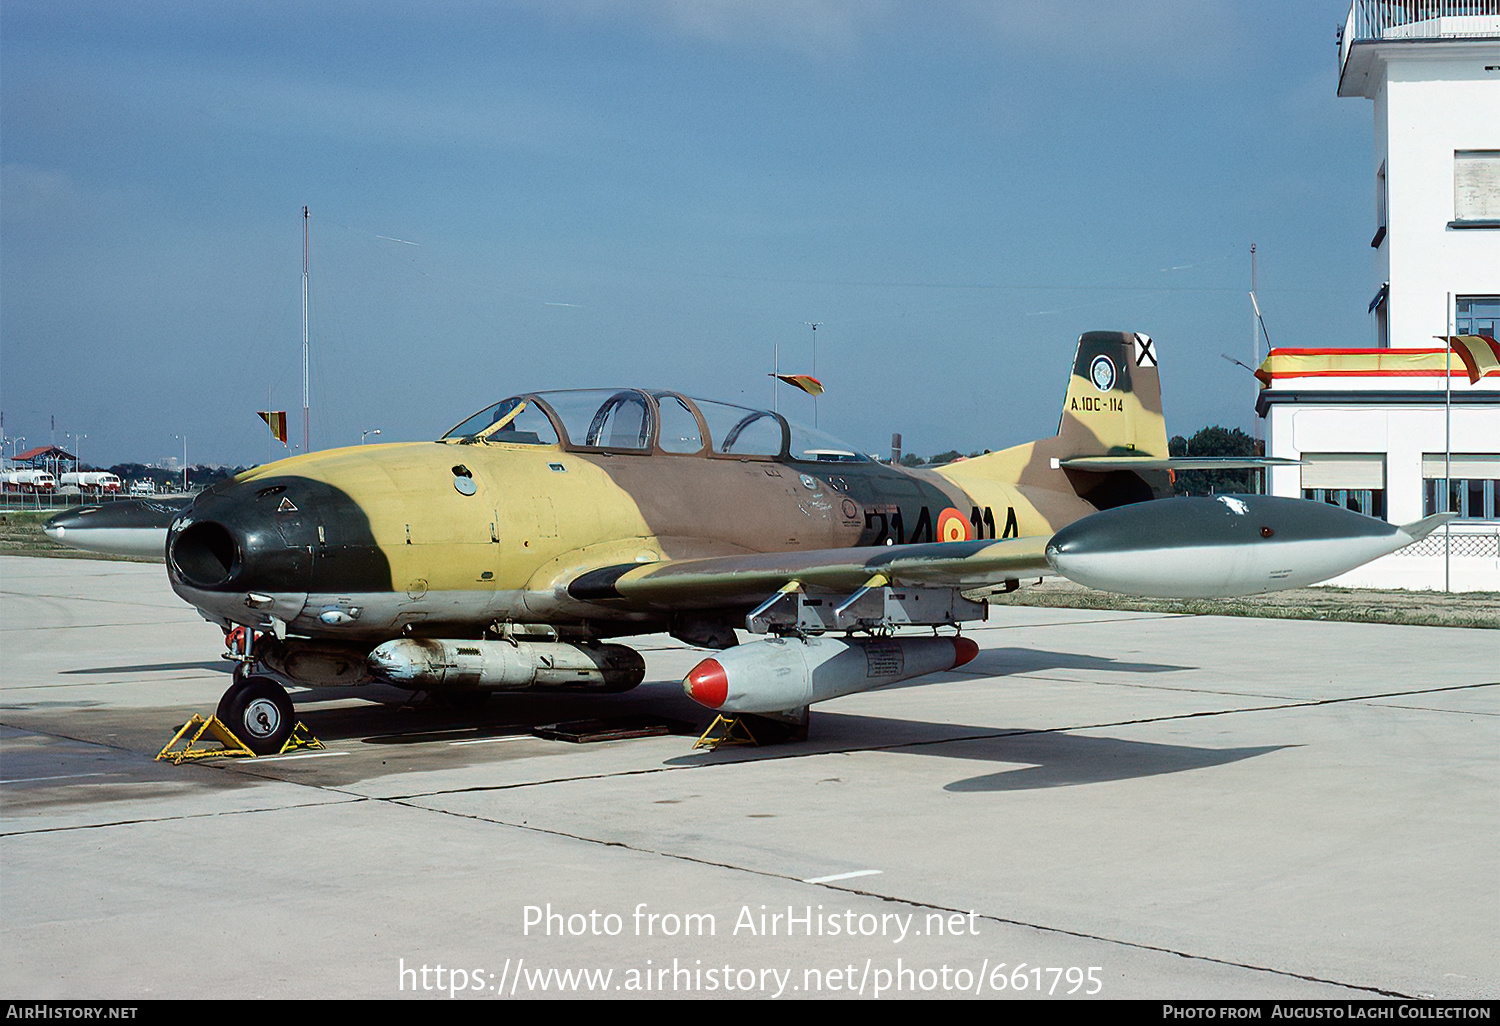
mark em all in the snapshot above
pixel 1360 363
pixel 276 421
pixel 806 382
pixel 1480 354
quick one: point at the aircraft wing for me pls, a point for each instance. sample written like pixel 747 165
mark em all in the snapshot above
pixel 1172 548
pixel 733 580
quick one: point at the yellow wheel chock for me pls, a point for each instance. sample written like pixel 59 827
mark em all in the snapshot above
pixel 725 731
pixel 212 726
pixel 232 745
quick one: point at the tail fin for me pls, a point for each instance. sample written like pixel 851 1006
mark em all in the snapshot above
pixel 1113 403
pixel 1111 413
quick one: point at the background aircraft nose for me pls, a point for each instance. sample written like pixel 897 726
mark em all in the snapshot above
pixel 58 526
pixel 135 527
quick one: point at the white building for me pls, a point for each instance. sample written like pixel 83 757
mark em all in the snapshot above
pixel 1377 428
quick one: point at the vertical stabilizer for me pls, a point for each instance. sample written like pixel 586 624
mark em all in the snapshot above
pixel 1113 402
pixel 1112 408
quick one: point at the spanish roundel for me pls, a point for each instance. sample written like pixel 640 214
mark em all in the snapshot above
pixel 952 526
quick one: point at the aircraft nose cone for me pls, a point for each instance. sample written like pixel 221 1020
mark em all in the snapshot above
pixel 707 684
pixel 56 527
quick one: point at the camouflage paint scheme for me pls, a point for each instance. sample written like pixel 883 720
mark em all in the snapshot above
pixel 456 537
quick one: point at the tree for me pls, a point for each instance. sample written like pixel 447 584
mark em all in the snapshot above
pixel 1215 441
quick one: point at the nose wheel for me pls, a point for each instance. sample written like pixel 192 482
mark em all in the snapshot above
pixel 259 713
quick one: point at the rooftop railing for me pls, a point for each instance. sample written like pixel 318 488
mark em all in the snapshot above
pixel 1372 20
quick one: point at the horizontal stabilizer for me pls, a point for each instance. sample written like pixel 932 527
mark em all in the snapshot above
pixel 1422 528
pixel 1105 464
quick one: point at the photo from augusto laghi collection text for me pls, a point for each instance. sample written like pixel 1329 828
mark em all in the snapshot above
pixel 887 966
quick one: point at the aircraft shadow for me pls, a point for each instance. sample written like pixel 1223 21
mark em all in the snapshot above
pixel 1060 759
pixel 223 666
pixel 1007 661
pixel 1041 758
pixel 396 717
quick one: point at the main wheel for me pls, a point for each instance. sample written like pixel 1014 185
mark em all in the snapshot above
pixel 258 712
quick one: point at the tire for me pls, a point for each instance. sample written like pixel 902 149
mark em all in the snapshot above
pixel 258 712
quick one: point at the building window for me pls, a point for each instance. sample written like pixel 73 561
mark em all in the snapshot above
pixel 1353 480
pixel 1380 307
pixel 1380 204
pixel 1476 189
pixel 1473 485
pixel 1369 501
pixel 1476 315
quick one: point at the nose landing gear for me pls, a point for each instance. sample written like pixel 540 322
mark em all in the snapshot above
pixel 258 712
pixel 256 708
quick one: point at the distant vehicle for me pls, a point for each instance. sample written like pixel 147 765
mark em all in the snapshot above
pixel 28 481
pixel 101 481
pixel 144 486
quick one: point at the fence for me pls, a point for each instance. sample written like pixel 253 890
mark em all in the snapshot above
pixel 1417 19
pixel 1461 543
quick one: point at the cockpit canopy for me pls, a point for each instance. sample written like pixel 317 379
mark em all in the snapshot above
pixel 632 420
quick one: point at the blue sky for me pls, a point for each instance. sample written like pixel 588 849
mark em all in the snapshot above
pixel 518 195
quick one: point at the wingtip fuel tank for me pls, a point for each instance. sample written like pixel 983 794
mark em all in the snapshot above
pixel 1221 547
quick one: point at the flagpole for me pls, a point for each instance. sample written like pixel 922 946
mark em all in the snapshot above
pixel 814 326
pixel 1448 445
pixel 775 372
pixel 306 445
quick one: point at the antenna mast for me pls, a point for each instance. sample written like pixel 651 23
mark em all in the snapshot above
pixel 304 332
pixel 814 326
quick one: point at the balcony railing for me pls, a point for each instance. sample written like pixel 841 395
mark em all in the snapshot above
pixel 1371 20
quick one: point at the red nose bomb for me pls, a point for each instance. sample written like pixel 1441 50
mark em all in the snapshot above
pixel 707 684
pixel 788 673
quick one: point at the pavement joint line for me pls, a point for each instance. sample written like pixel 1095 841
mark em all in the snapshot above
pixel 408 802
pixel 1225 694
pixel 185 817
pixel 54 597
pixel 1205 712
pixel 410 799
pixel 80 626
pixel 1056 930
pixel 1435 709
pixel 136 682
pixel 987 735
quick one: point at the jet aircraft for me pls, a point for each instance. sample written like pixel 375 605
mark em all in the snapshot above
pixel 508 553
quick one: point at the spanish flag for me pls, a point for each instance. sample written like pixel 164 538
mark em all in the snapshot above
pixel 806 382
pixel 1480 354
pixel 276 421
